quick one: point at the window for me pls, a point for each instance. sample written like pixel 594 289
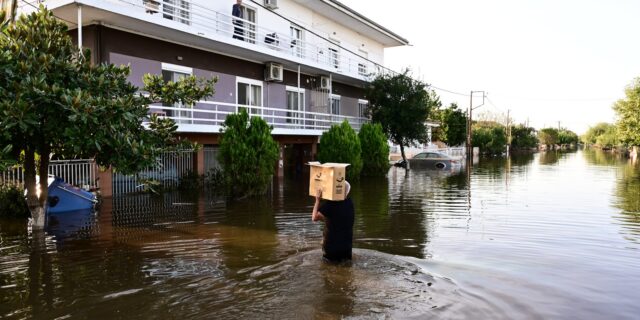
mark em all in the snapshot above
pixel 362 108
pixel 295 103
pixel 334 57
pixel 335 104
pixel 177 10
pixel 172 72
pixel 362 65
pixel 249 14
pixel 249 95
pixel 297 45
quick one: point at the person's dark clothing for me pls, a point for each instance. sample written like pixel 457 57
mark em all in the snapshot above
pixel 338 230
pixel 238 32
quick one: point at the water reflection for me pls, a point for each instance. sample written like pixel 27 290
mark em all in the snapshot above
pixel 488 241
pixel 628 200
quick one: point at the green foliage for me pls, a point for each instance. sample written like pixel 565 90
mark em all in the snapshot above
pixel 248 154
pixel 214 179
pixel 548 136
pixel 341 144
pixel 567 137
pixel 593 133
pixel 523 137
pixel 453 125
pixel 54 101
pixel 12 202
pixel 375 150
pixel 402 106
pixel 191 181
pixel 491 138
pixel 628 111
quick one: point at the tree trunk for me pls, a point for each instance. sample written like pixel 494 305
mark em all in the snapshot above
pixel 404 157
pixel 36 204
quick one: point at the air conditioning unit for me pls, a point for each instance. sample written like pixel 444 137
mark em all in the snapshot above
pixel 325 82
pixel 271 4
pixel 273 72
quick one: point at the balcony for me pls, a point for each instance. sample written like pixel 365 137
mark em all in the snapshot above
pixel 208 117
pixel 193 24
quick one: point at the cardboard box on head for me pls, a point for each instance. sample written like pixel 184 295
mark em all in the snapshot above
pixel 330 177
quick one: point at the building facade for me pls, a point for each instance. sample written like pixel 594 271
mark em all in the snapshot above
pixel 299 64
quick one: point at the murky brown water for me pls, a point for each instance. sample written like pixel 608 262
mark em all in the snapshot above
pixel 541 236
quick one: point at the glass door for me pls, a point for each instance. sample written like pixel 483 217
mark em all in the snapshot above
pixel 250 97
pixel 179 116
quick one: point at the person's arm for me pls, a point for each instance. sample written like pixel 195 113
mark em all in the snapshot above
pixel 315 214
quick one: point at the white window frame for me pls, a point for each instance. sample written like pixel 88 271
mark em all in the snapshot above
pixel 339 99
pixel 334 49
pixel 362 66
pixel 247 27
pixel 362 104
pixel 298 49
pixel 251 82
pixel 301 107
pixel 184 70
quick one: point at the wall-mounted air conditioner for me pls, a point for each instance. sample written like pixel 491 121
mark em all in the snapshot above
pixel 325 82
pixel 273 72
pixel 271 4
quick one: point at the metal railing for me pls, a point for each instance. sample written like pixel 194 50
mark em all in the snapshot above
pixel 171 168
pixel 207 22
pixel 81 173
pixel 214 113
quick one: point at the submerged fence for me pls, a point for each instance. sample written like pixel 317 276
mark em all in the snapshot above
pixel 172 167
pixel 81 173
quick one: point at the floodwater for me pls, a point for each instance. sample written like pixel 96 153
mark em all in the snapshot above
pixel 550 235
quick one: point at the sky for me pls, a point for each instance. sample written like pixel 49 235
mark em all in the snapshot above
pixel 560 62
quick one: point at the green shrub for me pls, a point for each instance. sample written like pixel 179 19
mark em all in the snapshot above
pixel 248 154
pixel 375 150
pixel 12 202
pixel 341 144
pixel 190 181
pixel 490 139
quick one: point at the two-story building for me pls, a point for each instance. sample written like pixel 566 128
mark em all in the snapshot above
pixel 299 64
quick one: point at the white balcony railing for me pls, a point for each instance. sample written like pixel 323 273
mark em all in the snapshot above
pixel 214 113
pixel 212 24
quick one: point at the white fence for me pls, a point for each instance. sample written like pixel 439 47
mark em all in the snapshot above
pixel 81 173
pixel 214 113
pixel 172 166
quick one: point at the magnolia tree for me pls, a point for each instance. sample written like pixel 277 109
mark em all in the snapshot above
pixel 53 101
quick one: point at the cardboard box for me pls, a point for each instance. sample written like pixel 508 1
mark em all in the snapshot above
pixel 330 177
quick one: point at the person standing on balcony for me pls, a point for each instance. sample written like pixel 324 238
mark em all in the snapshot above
pixel 338 217
pixel 238 32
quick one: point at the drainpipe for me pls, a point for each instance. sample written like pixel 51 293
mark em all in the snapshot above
pixel 80 27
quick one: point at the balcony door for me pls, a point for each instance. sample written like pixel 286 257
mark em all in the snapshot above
pixel 250 96
pixel 177 10
pixel 295 105
pixel 183 114
pixel 297 44
pixel 249 14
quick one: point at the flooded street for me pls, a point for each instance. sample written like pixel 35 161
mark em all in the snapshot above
pixel 550 235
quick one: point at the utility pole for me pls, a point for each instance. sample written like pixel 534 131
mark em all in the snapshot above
pixel 508 132
pixel 469 121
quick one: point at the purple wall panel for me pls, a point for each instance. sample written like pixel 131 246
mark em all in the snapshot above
pixel 225 87
pixel 139 67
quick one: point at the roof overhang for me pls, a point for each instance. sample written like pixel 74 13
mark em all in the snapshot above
pixel 355 21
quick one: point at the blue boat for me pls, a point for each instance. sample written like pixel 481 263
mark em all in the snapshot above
pixel 64 197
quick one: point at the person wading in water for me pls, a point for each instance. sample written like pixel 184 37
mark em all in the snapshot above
pixel 338 219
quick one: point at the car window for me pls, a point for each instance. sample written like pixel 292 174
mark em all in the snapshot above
pixel 433 156
pixel 420 156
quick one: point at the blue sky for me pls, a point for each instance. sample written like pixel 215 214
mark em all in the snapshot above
pixel 547 61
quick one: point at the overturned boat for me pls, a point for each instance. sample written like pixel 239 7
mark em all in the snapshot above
pixel 64 197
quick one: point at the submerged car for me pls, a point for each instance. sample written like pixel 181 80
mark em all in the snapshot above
pixel 434 160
